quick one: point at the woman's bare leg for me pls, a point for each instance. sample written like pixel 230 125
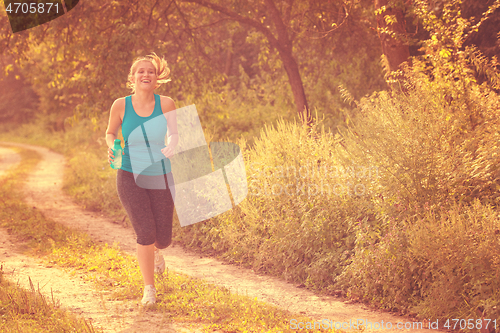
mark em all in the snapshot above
pixel 146 258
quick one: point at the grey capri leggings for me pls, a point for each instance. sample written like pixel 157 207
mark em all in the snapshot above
pixel 150 210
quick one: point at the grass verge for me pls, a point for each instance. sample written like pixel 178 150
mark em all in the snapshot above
pixel 30 311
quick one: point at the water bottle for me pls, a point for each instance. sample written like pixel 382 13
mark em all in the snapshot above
pixel 117 151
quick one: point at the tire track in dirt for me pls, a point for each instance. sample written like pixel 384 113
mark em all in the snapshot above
pixel 43 190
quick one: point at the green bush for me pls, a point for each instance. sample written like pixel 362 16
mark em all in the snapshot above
pixel 435 267
pixel 434 250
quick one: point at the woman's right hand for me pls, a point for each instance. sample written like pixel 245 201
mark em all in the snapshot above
pixel 111 156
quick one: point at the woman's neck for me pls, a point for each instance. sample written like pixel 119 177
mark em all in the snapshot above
pixel 144 97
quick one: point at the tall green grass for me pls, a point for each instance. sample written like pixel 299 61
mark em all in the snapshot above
pixel 30 311
pixel 297 218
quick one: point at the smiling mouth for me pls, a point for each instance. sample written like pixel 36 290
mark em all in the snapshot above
pixel 146 81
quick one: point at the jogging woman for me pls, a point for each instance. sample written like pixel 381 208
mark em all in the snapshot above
pixel 143 187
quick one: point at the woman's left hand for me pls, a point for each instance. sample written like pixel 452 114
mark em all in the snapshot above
pixel 167 151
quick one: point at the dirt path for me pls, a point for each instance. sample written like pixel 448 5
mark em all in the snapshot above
pixel 43 191
pixel 71 290
pixel 8 159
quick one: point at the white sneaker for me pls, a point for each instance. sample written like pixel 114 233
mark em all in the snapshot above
pixel 159 262
pixel 149 295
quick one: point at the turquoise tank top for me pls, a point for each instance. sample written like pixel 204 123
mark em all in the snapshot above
pixel 144 138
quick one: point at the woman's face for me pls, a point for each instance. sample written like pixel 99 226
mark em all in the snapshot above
pixel 145 76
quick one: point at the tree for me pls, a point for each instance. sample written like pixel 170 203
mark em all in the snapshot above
pixel 289 20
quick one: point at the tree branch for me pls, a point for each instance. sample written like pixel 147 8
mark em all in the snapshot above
pixel 210 24
pixel 283 39
pixel 304 15
pixel 151 13
pixel 288 13
pixel 240 18
pixel 189 31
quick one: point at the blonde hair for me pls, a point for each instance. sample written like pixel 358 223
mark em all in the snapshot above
pixel 161 67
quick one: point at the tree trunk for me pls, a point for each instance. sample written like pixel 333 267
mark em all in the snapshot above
pixel 396 49
pixel 284 46
pixel 299 95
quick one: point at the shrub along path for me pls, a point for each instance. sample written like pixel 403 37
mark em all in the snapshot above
pixel 43 190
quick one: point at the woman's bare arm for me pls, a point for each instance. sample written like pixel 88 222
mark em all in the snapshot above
pixel 168 107
pixel 115 120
